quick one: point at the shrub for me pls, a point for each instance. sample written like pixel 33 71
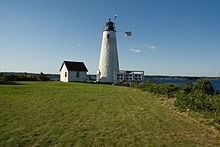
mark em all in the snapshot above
pixel 204 86
pixel 43 77
pixel 198 97
pixel 24 77
pixel 187 88
pixel 169 90
pixel 136 85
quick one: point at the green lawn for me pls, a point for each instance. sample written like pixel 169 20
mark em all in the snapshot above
pixel 62 114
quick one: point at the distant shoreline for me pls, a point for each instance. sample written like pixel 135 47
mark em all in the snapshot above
pixel 145 76
pixel 181 77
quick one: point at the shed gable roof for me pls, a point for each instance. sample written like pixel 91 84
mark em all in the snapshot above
pixel 74 66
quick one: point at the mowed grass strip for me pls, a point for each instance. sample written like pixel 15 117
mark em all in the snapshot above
pixel 62 114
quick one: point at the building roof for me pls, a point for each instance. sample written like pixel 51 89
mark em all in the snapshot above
pixel 74 66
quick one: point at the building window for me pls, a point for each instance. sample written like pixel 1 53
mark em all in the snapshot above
pixel 65 74
pixel 77 74
pixel 108 36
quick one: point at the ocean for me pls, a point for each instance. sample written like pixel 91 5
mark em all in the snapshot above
pixel 215 83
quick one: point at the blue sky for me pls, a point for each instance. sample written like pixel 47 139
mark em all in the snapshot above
pixel 170 37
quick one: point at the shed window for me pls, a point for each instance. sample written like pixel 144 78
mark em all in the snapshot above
pixel 65 74
pixel 108 36
pixel 77 74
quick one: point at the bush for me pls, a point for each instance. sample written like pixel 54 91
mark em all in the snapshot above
pixel 136 85
pixel 43 77
pixel 169 90
pixel 24 77
pixel 198 97
pixel 187 88
pixel 204 86
pixel 197 102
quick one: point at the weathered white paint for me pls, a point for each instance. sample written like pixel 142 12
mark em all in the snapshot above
pixel 72 75
pixel 108 63
pixel 62 74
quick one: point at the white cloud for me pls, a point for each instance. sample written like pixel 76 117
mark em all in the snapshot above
pixel 135 50
pixel 146 46
pixel 151 47
pixel 2 67
pixel 79 45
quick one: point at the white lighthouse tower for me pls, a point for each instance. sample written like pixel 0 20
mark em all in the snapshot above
pixel 108 62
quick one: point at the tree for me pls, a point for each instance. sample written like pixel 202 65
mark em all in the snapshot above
pixel 43 77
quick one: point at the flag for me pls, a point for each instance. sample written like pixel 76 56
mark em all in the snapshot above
pixel 127 34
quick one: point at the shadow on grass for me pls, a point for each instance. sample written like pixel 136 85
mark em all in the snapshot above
pixel 9 83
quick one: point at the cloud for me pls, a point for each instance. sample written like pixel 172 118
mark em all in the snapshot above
pixel 79 45
pixel 2 67
pixel 135 50
pixel 146 46
pixel 151 47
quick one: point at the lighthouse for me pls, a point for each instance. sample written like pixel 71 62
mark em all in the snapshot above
pixel 108 62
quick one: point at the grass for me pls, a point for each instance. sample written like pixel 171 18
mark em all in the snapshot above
pixel 66 114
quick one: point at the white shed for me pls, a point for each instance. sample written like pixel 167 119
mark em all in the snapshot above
pixel 73 71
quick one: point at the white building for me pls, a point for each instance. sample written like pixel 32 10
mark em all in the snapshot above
pixel 108 63
pixel 124 76
pixel 73 71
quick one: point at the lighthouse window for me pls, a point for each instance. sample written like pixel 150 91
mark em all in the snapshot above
pixel 108 36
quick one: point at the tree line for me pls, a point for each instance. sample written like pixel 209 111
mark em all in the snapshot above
pixel 24 77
